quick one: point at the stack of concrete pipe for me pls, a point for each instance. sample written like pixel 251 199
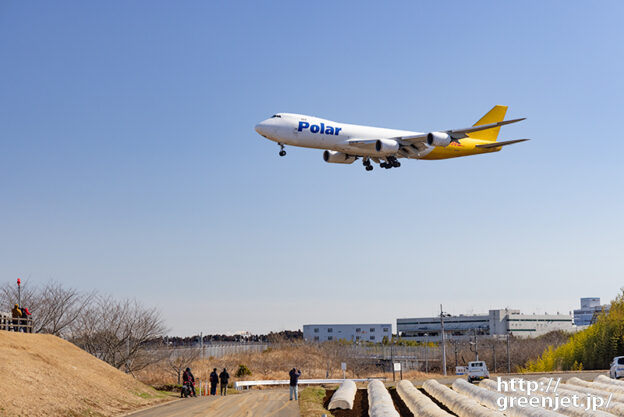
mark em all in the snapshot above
pixel 490 399
pixel 615 407
pixel 603 379
pixel 459 404
pixel 380 402
pixel 418 403
pixel 618 393
pixel 344 396
pixel 585 388
pixel 568 411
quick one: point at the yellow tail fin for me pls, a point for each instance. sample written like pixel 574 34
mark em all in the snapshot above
pixel 497 114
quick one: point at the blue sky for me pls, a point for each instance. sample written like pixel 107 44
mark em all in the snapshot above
pixel 129 163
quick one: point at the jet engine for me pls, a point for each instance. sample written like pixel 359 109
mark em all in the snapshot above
pixel 438 139
pixel 386 146
pixel 338 157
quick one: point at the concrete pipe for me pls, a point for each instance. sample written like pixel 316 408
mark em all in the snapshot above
pixel 418 403
pixel 380 402
pixel 344 396
pixel 459 404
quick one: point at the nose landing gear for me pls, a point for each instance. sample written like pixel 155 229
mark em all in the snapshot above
pixel 282 152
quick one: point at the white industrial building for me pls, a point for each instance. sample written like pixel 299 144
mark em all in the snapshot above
pixel 590 308
pixel 495 323
pixel 351 332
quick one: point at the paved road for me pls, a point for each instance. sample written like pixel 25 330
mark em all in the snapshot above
pixel 258 403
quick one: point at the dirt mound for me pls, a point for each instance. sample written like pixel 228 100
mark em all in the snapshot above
pixel 43 375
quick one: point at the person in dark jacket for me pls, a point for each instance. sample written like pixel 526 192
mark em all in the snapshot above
pixel 294 382
pixel 224 378
pixel 26 316
pixel 188 378
pixel 214 381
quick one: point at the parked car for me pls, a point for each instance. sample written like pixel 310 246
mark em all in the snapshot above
pixel 477 371
pixel 616 371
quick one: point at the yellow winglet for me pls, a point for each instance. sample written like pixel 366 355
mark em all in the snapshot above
pixel 497 114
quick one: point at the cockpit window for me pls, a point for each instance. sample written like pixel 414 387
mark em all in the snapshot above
pixel 275 115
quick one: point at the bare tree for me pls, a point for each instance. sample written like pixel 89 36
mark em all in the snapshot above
pixel 178 359
pixel 54 308
pixel 9 295
pixel 57 308
pixel 117 331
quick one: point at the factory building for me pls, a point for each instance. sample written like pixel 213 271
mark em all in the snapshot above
pixel 373 333
pixel 495 323
pixel 590 309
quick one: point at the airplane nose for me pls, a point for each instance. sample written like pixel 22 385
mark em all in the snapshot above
pixel 263 128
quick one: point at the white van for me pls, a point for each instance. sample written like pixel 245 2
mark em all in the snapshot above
pixel 477 371
pixel 616 371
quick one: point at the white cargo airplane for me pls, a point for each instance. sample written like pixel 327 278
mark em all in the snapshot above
pixel 345 143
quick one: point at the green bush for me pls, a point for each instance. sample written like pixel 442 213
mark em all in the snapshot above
pixel 592 348
pixel 242 371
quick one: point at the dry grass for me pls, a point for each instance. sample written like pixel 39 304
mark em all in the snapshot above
pixel 43 375
pixel 274 363
pixel 311 402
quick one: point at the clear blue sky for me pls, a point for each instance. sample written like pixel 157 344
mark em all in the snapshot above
pixel 129 163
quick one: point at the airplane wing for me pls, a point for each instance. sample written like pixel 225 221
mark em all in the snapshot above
pixel 499 144
pixel 362 143
pixel 456 133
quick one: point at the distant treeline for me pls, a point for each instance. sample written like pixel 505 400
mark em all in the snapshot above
pixel 592 348
pixel 272 337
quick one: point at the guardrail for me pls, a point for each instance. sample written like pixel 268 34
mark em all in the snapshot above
pixel 15 324
pixel 239 385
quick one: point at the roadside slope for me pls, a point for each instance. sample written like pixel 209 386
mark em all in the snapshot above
pixel 43 375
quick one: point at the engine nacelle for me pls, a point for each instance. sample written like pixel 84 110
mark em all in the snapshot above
pixel 338 157
pixel 386 146
pixel 438 139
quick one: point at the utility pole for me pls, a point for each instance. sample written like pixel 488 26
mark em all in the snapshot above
pixel 494 353
pixel 201 345
pixel 392 358
pixel 427 352
pixel 476 345
pixel 443 340
pixel 508 357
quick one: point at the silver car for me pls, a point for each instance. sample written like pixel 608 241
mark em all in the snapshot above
pixel 616 371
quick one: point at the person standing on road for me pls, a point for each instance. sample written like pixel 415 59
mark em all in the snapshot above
pixel 294 381
pixel 224 377
pixel 214 381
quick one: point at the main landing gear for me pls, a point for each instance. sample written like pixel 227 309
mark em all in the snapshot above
pixel 367 164
pixel 282 152
pixel 391 162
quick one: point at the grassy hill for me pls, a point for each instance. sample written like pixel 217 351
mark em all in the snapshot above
pixel 43 375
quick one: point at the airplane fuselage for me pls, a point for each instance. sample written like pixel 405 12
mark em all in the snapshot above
pixel 313 132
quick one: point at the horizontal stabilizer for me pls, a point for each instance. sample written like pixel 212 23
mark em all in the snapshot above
pixel 457 134
pixel 499 144
pixel 484 127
